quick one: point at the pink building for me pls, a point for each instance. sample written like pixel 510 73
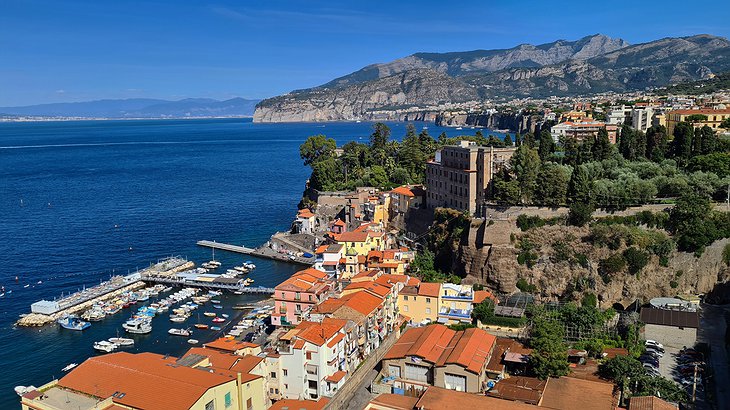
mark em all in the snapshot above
pixel 298 294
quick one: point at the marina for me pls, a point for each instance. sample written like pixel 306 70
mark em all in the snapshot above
pixel 261 251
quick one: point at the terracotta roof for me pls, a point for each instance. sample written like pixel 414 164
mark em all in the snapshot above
pixel 495 362
pixel 290 404
pixel 403 190
pixel 353 236
pixel 391 278
pixel 308 280
pixel 518 388
pixel 139 376
pixel 319 333
pixel 480 295
pixel 395 401
pixel 305 213
pixel 337 339
pixel 440 345
pixel 216 357
pixel 369 273
pixel 229 345
pixel 336 376
pixel 650 403
pixel 568 393
pixel 338 222
pixel 435 398
pixel 704 111
pixel 615 351
pixel 321 249
pixel 429 289
pixel 246 363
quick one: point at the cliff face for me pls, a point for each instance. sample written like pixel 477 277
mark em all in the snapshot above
pixel 424 81
pixel 495 120
pixel 487 257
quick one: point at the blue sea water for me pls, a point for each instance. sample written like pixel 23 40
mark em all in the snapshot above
pixel 82 200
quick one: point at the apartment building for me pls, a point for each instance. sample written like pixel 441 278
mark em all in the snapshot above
pixel 582 130
pixel 714 118
pixel 298 294
pixel 445 303
pixel 402 199
pixel 460 175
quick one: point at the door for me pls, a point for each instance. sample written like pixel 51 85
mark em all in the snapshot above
pixel 416 373
pixel 455 382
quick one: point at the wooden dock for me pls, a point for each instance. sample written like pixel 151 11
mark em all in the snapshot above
pixel 261 252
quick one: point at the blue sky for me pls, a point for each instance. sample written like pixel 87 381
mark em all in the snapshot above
pixel 53 51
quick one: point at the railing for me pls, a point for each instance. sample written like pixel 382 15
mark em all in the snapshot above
pixel 459 297
pixel 459 313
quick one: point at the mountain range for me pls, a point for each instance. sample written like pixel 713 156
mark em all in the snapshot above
pixel 139 108
pixel 593 64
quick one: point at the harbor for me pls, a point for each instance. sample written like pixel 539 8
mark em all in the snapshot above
pixel 264 251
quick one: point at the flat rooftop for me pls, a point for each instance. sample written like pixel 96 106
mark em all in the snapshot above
pixel 58 398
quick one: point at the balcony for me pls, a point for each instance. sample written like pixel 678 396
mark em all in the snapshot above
pixel 456 313
pixel 467 297
pixel 311 370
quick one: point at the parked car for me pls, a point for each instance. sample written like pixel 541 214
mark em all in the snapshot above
pixel 653 343
pixel 654 351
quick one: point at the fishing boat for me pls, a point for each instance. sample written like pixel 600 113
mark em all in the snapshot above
pixel 138 326
pixel 193 341
pixel 69 367
pixel 105 346
pixel 179 332
pixel 249 265
pixel 209 314
pixel 122 341
pixel 73 323
pixel 201 326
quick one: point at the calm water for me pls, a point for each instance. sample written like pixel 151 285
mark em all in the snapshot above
pixel 64 186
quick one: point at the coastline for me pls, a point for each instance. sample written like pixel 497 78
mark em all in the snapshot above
pixel 30 119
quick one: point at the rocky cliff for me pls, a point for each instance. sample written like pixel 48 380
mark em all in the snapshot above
pixel 488 254
pixel 423 81
pixel 516 122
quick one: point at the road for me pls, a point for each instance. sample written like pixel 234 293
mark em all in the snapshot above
pixel 712 331
pixel 362 395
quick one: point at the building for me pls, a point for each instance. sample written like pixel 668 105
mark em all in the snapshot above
pixel 583 130
pixel 312 359
pixel 619 115
pixel 714 118
pixel 650 403
pixel 402 199
pixel 675 328
pixel 455 303
pixel 570 393
pixel 305 222
pixel 298 294
pixel 642 117
pixel 133 381
pixel 434 398
pixel 460 175
pixel 420 303
pixel 435 355
pixel 327 258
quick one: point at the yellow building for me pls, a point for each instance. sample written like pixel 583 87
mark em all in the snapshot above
pixel 420 303
pixel 361 241
pixel 714 118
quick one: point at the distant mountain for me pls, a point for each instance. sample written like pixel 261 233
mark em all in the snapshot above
pixel 140 108
pixel 592 64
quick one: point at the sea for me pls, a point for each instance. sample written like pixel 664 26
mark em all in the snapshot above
pixel 81 201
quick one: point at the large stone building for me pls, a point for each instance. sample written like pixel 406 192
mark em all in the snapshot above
pixel 714 118
pixel 583 130
pixel 460 175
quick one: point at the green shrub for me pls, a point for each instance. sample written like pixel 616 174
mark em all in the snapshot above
pixel 726 255
pixel 526 287
pixel 636 260
pixel 673 284
pixel 589 300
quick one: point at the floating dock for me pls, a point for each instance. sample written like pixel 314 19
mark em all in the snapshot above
pixel 262 252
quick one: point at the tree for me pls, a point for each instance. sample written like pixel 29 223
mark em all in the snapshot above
pixel 317 147
pixel 602 146
pixel 547 145
pixel 682 143
pixel 379 137
pixel 636 259
pixel 590 300
pixel 706 141
pixel 518 139
pixel 507 140
pixel 410 156
pixel 525 163
pixel 505 189
pixel 640 144
pixel 325 174
pixel 571 151
pixel 627 143
pixel 717 163
pixel 580 186
pixel 529 140
pixel 580 213
pixel 549 358
pixel 552 184
pixel 725 124
pixel 689 221
pixel 696 118
pixel 656 143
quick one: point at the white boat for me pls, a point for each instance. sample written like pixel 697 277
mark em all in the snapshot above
pixel 122 341
pixel 21 390
pixel 69 367
pixel 137 326
pixel 105 346
pixel 193 341
pixel 179 332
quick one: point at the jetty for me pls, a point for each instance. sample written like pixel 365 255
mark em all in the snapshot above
pixel 261 252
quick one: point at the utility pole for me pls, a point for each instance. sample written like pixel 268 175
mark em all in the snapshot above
pixel 694 384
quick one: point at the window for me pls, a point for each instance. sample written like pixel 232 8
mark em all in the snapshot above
pixel 271 390
pixel 228 401
pixel 309 355
pixel 286 373
pixel 313 384
pixel 310 298
pixel 455 382
pixel 210 405
pixel 428 300
pixel 273 375
pixel 405 297
pixel 249 404
pixel 428 311
pixel 405 308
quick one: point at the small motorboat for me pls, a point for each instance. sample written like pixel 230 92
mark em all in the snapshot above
pixel 122 341
pixel 179 332
pixel 105 346
pixel 73 323
pixel 215 301
pixel 177 319
pixel 209 314
pixel 218 320
pixel 216 328
pixel 217 306
pixel 21 390
pixel 224 315
pixel 69 367
pixel 201 326
pixel 138 326
pixel 193 341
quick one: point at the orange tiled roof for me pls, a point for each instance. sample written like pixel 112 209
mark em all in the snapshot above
pixel 443 399
pixel 395 401
pixel 321 249
pixel 337 339
pixel 403 190
pixel 246 363
pixel 291 404
pixel 429 289
pixel 650 403
pixel 390 278
pixel 319 333
pixel 480 295
pixel 140 376
pixel 216 357
pixel 336 376
pixel 704 111
pixel 353 236
pixel 304 281
pixel 569 393
pixel 305 213
pixel 229 345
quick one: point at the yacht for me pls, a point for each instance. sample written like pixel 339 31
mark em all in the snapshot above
pixel 73 323
pixel 179 332
pixel 122 341
pixel 69 367
pixel 177 319
pixel 105 346
pixel 138 326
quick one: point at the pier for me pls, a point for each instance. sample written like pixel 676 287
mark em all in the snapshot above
pixel 261 252
pixel 177 281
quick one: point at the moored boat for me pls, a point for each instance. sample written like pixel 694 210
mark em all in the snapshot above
pixel 105 346
pixel 179 332
pixel 138 326
pixel 122 341
pixel 193 341
pixel 73 323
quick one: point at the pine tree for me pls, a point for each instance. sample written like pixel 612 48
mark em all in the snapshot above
pixel 627 143
pixel 682 143
pixel 602 146
pixel 518 140
pixel 571 151
pixel 656 143
pixel 547 146
pixel 579 187
pixel 507 140
pixel 525 163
